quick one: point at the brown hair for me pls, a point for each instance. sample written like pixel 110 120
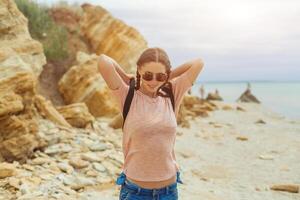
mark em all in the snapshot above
pixel 154 54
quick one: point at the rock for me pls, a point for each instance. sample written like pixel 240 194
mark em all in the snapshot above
pixel 48 111
pixel 40 161
pixel 260 121
pixel 97 22
pixel 7 170
pixel 18 148
pixel 286 188
pixel 112 169
pixel 227 107
pixel 76 114
pixel 247 96
pixel 65 168
pixel 240 108
pixel 99 167
pixel 10 104
pixel 58 148
pixel 214 96
pixel 78 163
pixel 117 121
pixel 83 83
pixel 91 156
pixel 242 138
pixel 92 173
pixel 98 147
pixel 266 157
pixel 17 48
pixel 15 182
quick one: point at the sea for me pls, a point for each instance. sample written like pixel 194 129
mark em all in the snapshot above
pixel 280 97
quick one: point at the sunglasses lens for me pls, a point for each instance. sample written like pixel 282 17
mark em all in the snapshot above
pixel 161 77
pixel 148 76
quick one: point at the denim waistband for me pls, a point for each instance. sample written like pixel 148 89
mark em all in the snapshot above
pixel 135 188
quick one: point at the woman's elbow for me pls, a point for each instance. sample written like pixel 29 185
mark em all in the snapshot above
pixel 199 63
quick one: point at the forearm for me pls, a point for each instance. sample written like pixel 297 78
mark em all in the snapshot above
pixel 118 69
pixel 180 69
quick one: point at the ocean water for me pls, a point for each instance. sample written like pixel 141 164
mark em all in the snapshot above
pixel 281 97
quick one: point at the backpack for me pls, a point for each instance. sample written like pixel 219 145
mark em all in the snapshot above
pixel 130 94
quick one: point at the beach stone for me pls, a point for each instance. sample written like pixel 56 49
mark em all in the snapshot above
pixel 82 182
pixel 91 156
pixel 266 157
pixel 240 108
pixel 227 107
pixel 92 173
pixel 7 170
pixel 40 161
pixel 15 182
pixel 112 169
pixel 78 163
pixel 99 167
pixel 260 121
pixel 98 147
pixel 242 138
pixel 58 148
pixel 65 167
pixel 293 188
pixel 28 167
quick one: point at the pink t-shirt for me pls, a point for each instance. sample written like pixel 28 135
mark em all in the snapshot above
pixel 150 131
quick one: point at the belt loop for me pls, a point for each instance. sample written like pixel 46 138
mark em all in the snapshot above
pixel 167 190
pixel 153 192
pixel 139 190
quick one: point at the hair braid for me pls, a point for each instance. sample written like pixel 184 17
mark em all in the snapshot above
pixel 138 80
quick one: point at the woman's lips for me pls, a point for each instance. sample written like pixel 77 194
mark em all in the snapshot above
pixel 152 86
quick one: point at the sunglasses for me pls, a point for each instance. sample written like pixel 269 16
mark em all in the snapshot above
pixel 148 76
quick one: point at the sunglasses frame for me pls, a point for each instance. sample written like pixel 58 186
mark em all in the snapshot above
pixel 156 76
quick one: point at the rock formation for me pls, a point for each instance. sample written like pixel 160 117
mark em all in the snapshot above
pixel 247 96
pixel 111 36
pixel 83 83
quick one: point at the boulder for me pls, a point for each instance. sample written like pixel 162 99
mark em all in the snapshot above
pixel 48 111
pixel 248 97
pixel 83 83
pixel 76 114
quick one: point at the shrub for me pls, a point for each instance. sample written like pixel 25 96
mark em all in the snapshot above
pixel 43 28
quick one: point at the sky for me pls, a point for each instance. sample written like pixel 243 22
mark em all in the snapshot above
pixel 238 40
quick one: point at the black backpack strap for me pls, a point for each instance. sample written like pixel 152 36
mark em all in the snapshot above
pixel 128 99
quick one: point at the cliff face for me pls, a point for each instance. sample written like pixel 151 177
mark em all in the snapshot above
pixel 21 108
pixel 111 36
pixel 17 48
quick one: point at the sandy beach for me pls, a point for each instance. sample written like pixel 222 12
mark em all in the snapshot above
pixel 217 165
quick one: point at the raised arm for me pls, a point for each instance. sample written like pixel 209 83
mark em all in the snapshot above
pixel 191 68
pixel 111 72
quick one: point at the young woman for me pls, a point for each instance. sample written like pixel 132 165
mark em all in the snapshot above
pixel 150 170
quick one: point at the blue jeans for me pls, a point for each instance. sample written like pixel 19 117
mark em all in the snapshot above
pixel 131 191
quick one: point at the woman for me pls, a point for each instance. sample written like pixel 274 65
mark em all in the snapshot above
pixel 150 170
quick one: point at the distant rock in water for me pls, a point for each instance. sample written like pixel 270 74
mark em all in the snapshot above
pixel 214 96
pixel 247 96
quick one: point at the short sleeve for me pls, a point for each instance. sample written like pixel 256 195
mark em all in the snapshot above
pixel 120 94
pixel 180 86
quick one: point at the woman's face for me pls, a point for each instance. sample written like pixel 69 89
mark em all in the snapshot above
pixel 157 70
